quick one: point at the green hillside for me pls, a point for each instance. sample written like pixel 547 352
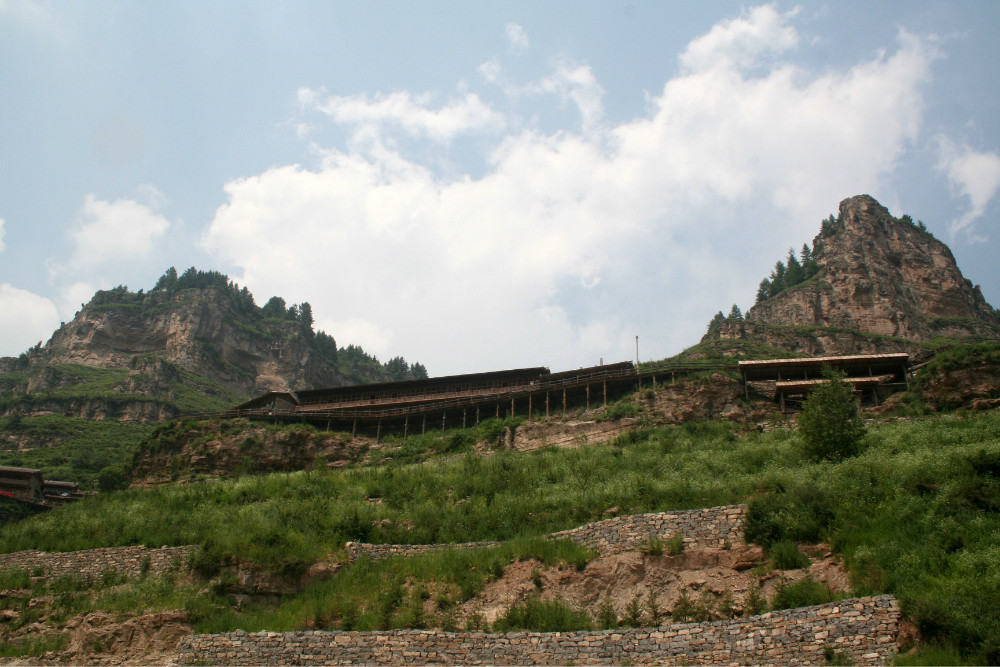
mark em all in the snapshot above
pixel 915 514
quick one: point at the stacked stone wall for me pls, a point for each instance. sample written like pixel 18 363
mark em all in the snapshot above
pixel 130 562
pixel 714 527
pixel 862 629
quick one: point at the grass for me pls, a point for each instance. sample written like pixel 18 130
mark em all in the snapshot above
pixel 87 446
pixel 387 594
pixel 916 513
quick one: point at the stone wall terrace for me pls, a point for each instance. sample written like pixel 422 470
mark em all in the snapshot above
pixel 127 561
pixel 714 527
pixel 863 629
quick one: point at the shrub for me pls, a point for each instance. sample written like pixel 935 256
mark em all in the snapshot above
pixel 829 424
pixel 652 546
pixel 606 617
pixel 543 616
pixel 112 478
pixel 785 555
pixel 802 593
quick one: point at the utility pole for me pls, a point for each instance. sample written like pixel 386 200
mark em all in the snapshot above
pixel 638 374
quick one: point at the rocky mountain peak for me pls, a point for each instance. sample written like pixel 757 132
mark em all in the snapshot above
pixel 875 274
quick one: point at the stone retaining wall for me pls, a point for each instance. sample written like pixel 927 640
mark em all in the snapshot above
pixel 863 629
pixel 713 527
pixel 127 561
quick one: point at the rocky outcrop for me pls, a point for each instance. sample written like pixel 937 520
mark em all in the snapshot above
pixel 190 348
pixel 186 451
pixel 199 330
pixel 883 285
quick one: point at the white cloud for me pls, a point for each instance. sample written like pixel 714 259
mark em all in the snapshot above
pixel 972 174
pixel 118 231
pixel 517 38
pixel 572 242
pixel 25 319
pixel 740 43
pixel 33 15
pixel 412 114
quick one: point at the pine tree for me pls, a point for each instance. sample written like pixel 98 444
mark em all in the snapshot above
pixel 794 274
pixel 805 254
pixel 305 319
pixel 764 291
pixel 167 282
pixel 829 425
pixel 777 279
pixel 716 321
pixel 734 313
pixel 275 307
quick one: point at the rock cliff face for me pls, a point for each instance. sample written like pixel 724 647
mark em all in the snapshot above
pixel 198 330
pixel 883 285
pixel 151 356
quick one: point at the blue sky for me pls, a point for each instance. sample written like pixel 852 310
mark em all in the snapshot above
pixel 481 185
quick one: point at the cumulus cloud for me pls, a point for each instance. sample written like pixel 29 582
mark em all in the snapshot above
pixel 415 115
pixel 572 242
pixel 740 43
pixel 972 174
pixel 27 319
pixel 117 231
pixel 517 38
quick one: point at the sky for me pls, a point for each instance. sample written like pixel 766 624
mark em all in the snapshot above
pixel 478 186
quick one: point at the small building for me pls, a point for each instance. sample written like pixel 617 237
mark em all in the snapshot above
pixel 874 376
pixel 22 483
pixel 56 491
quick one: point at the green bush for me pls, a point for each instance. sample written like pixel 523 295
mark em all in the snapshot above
pixel 802 593
pixel 539 615
pixel 785 555
pixel 829 424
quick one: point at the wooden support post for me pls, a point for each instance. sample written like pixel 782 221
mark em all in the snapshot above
pixel 477 415
pixel 443 415
pixel 781 394
pixel 423 426
pixel 511 407
pixel 327 425
pixel 378 431
pixel 406 426
pixel 354 429
pixel 588 398
pixel 529 406
pixel 605 393
pixel 564 401
pixel 498 409
pixel 463 417
pixel 546 404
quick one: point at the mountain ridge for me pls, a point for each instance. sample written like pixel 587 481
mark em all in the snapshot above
pixel 144 355
pixel 878 284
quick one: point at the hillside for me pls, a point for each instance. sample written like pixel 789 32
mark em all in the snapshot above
pixel 198 326
pixel 195 343
pixel 870 283
pixel 233 524
pixel 273 558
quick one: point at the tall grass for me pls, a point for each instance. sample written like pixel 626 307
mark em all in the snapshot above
pixel 916 513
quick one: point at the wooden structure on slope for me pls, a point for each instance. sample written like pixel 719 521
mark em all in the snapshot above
pixel 874 376
pixel 411 403
pixel 28 485
pixel 22 483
